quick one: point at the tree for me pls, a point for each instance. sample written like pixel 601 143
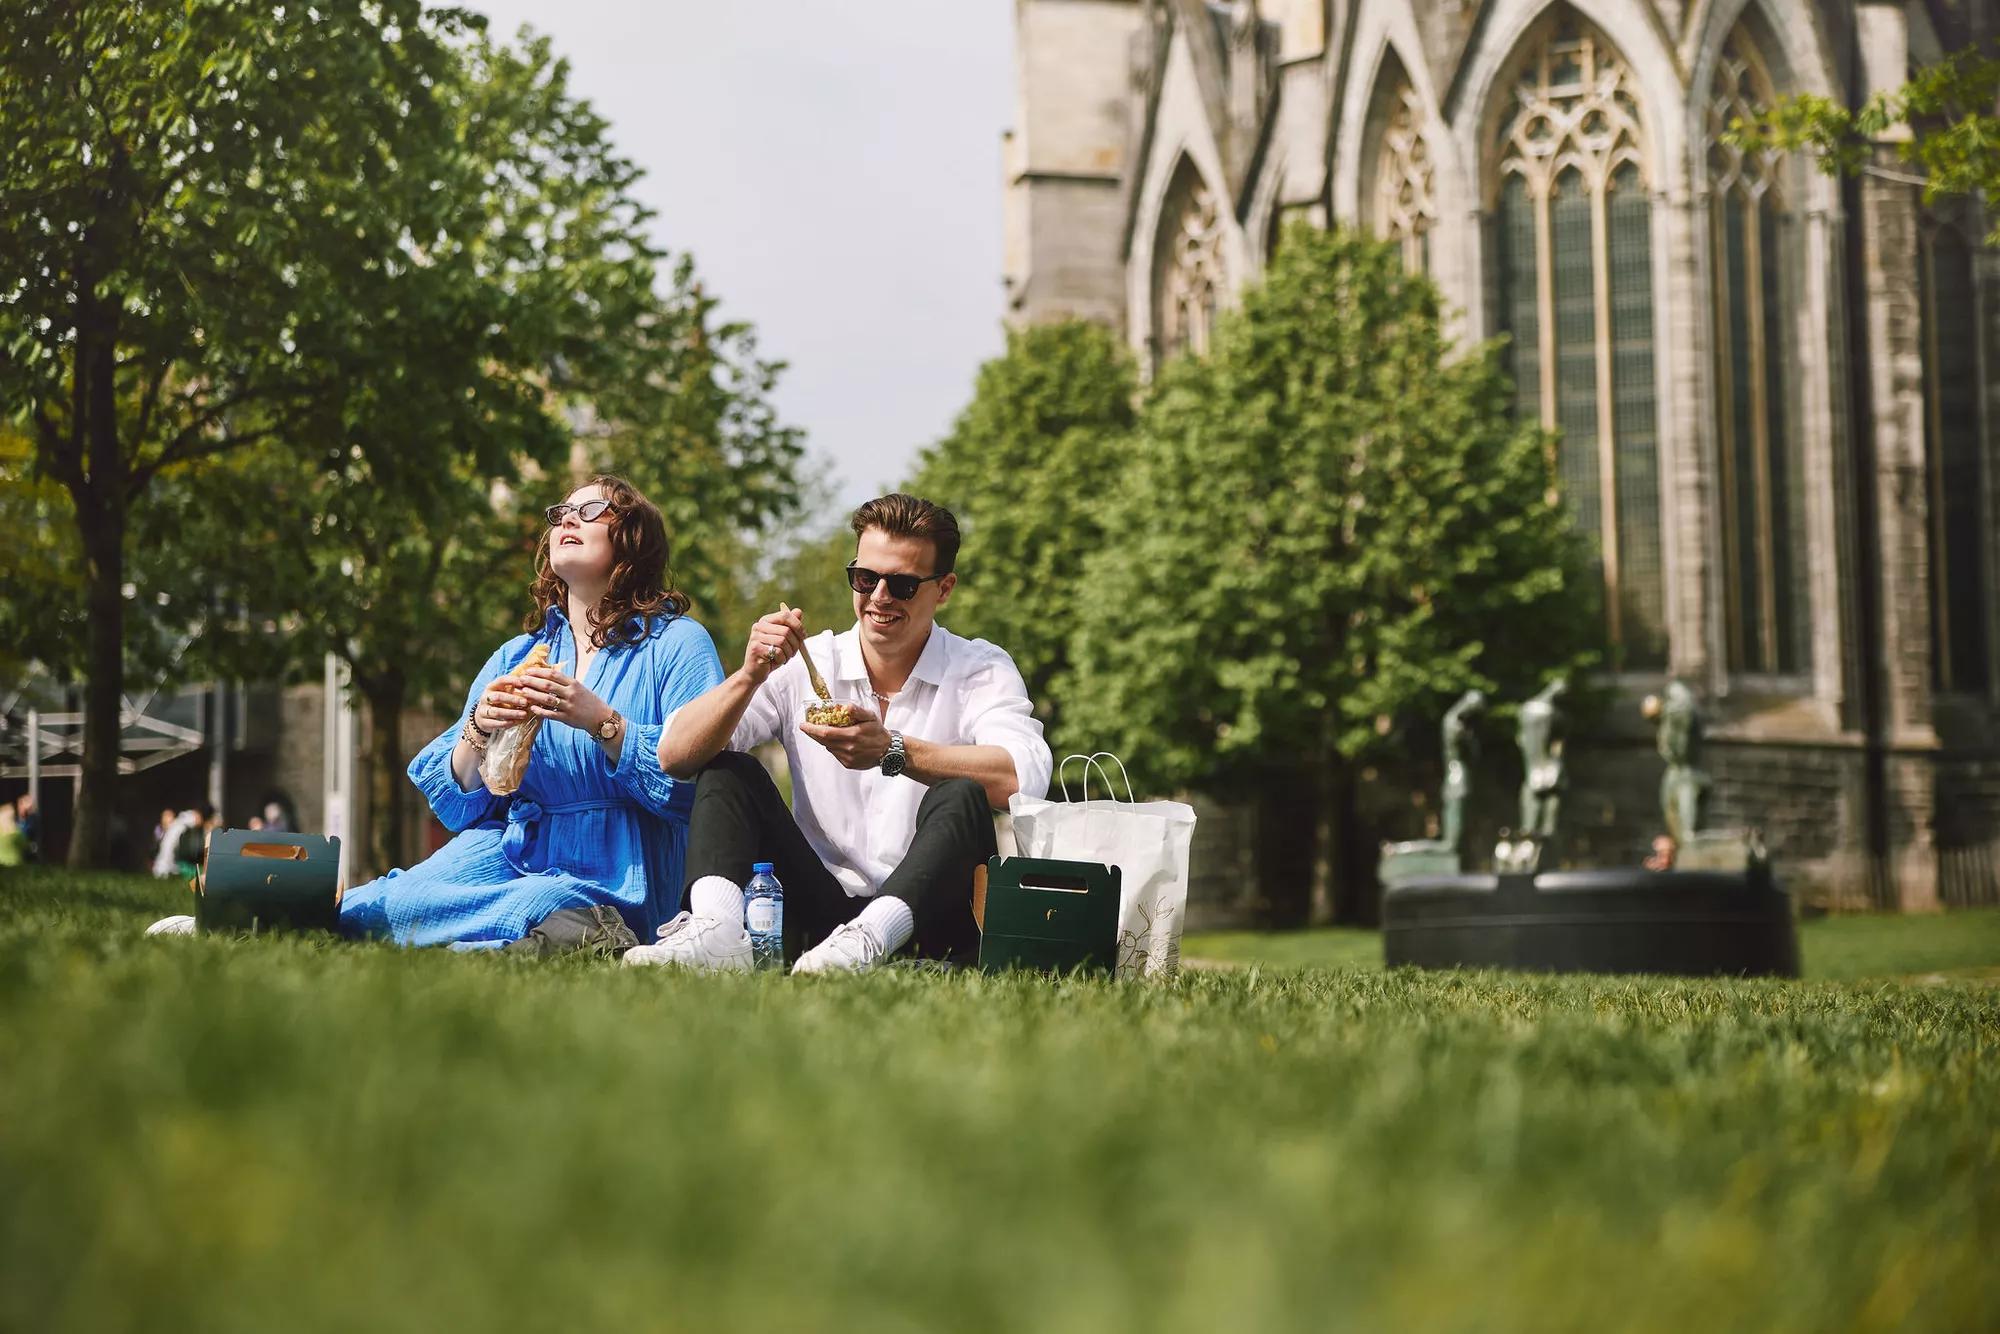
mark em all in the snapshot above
pixel 1330 527
pixel 355 231
pixel 412 580
pixel 690 422
pixel 1949 109
pixel 1026 468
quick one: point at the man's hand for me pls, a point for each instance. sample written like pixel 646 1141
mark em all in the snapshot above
pixel 860 745
pixel 774 641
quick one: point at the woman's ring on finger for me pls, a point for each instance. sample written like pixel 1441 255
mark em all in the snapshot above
pixel 771 653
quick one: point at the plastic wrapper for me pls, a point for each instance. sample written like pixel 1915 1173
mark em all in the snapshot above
pixel 506 757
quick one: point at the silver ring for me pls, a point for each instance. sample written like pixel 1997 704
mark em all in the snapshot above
pixel 771 653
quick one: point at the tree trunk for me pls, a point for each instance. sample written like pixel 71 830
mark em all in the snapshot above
pixel 1353 851
pixel 103 528
pixel 385 696
pixel 1286 825
pixel 101 508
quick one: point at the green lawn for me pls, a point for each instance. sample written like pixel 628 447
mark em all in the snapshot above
pixel 1963 945
pixel 271 1134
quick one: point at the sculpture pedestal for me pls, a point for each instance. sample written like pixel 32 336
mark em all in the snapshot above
pixel 1698 923
pixel 1718 850
pixel 1410 861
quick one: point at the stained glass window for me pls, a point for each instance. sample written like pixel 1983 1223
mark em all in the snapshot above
pixel 1763 495
pixel 1187 264
pixel 1405 200
pixel 1951 441
pixel 1572 229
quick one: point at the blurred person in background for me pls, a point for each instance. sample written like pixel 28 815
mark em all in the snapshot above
pixel 29 822
pixel 166 850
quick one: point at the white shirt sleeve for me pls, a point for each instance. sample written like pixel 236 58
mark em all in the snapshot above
pixel 764 717
pixel 997 713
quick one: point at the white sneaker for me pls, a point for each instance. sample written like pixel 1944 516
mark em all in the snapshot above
pixel 852 948
pixel 181 925
pixel 711 944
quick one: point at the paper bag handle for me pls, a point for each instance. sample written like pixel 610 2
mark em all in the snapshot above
pixel 1090 762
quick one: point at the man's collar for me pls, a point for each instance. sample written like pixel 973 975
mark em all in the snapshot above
pixel 931 663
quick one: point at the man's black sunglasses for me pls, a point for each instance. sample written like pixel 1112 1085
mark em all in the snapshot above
pixel 902 587
pixel 590 511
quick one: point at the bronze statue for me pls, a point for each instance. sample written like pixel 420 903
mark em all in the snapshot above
pixel 1461 751
pixel 1445 854
pixel 1684 786
pixel 1543 730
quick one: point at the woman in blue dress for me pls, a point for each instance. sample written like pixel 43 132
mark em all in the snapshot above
pixel 596 820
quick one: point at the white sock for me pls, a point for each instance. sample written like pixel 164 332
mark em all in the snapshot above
pixel 888 919
pixel 713 896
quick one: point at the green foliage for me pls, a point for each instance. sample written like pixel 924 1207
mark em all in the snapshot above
pixel 247 1135
pixel 1328 526
pixel 807 571
pixel 690 422
pixel 300 292
pixel 1027 469
pixel 1942 121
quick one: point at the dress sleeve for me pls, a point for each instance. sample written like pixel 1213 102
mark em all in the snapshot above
pixel 689 668
pixel 997 713
pixel 431 770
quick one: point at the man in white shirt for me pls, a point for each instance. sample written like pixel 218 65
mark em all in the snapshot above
pixel 891 815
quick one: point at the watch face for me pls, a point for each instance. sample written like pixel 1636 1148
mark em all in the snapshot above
pixel 607 729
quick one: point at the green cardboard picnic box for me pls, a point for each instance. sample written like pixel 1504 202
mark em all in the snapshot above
pixel 1052 916
pixel 254 880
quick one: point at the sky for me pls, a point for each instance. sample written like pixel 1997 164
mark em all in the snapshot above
pixel 834 169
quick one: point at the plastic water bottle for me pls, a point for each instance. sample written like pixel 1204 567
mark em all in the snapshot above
pixel 764 917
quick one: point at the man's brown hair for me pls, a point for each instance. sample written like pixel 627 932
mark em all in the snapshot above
pixel 901 515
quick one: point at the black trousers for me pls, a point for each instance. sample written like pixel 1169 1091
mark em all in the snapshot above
pixel 740 818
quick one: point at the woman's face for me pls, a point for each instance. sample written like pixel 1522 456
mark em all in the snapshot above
pixel 579 552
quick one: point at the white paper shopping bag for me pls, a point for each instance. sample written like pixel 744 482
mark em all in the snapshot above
pixel 1147 840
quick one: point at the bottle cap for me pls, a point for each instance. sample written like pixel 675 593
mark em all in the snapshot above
pixel 760 868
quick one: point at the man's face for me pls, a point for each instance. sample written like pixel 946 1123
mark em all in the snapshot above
pixel 888 623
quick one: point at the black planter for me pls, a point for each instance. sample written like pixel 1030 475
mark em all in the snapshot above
pixel 1698 923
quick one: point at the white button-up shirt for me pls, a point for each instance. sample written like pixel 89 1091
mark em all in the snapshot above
pixel 962 692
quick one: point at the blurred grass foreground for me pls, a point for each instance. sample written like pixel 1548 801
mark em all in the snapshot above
pixel 301 1134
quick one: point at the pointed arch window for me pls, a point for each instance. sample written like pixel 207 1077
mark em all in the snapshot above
pixel 1951 357
pixel 1751 236
pixel 1571 223
pixel 1405 203
pixel 1187 264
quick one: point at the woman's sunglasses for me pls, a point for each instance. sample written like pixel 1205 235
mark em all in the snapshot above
pixel 902 587
pixel 590 511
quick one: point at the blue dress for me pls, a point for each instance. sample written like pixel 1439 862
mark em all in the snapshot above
pixel 578 832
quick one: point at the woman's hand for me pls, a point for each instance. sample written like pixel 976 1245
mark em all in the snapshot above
pixel 554 694
pixel 774 641
pixel 499 707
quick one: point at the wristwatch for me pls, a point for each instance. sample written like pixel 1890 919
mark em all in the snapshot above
pixel 893 762
pixel 609 727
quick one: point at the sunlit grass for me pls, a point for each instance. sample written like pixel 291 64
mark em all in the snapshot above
pixel 293 1134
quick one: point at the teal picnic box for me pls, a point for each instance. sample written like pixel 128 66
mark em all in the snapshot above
pixel 254 880
pixel 1053 916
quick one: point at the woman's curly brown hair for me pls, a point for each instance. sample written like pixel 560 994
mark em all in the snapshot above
pixel 641 585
